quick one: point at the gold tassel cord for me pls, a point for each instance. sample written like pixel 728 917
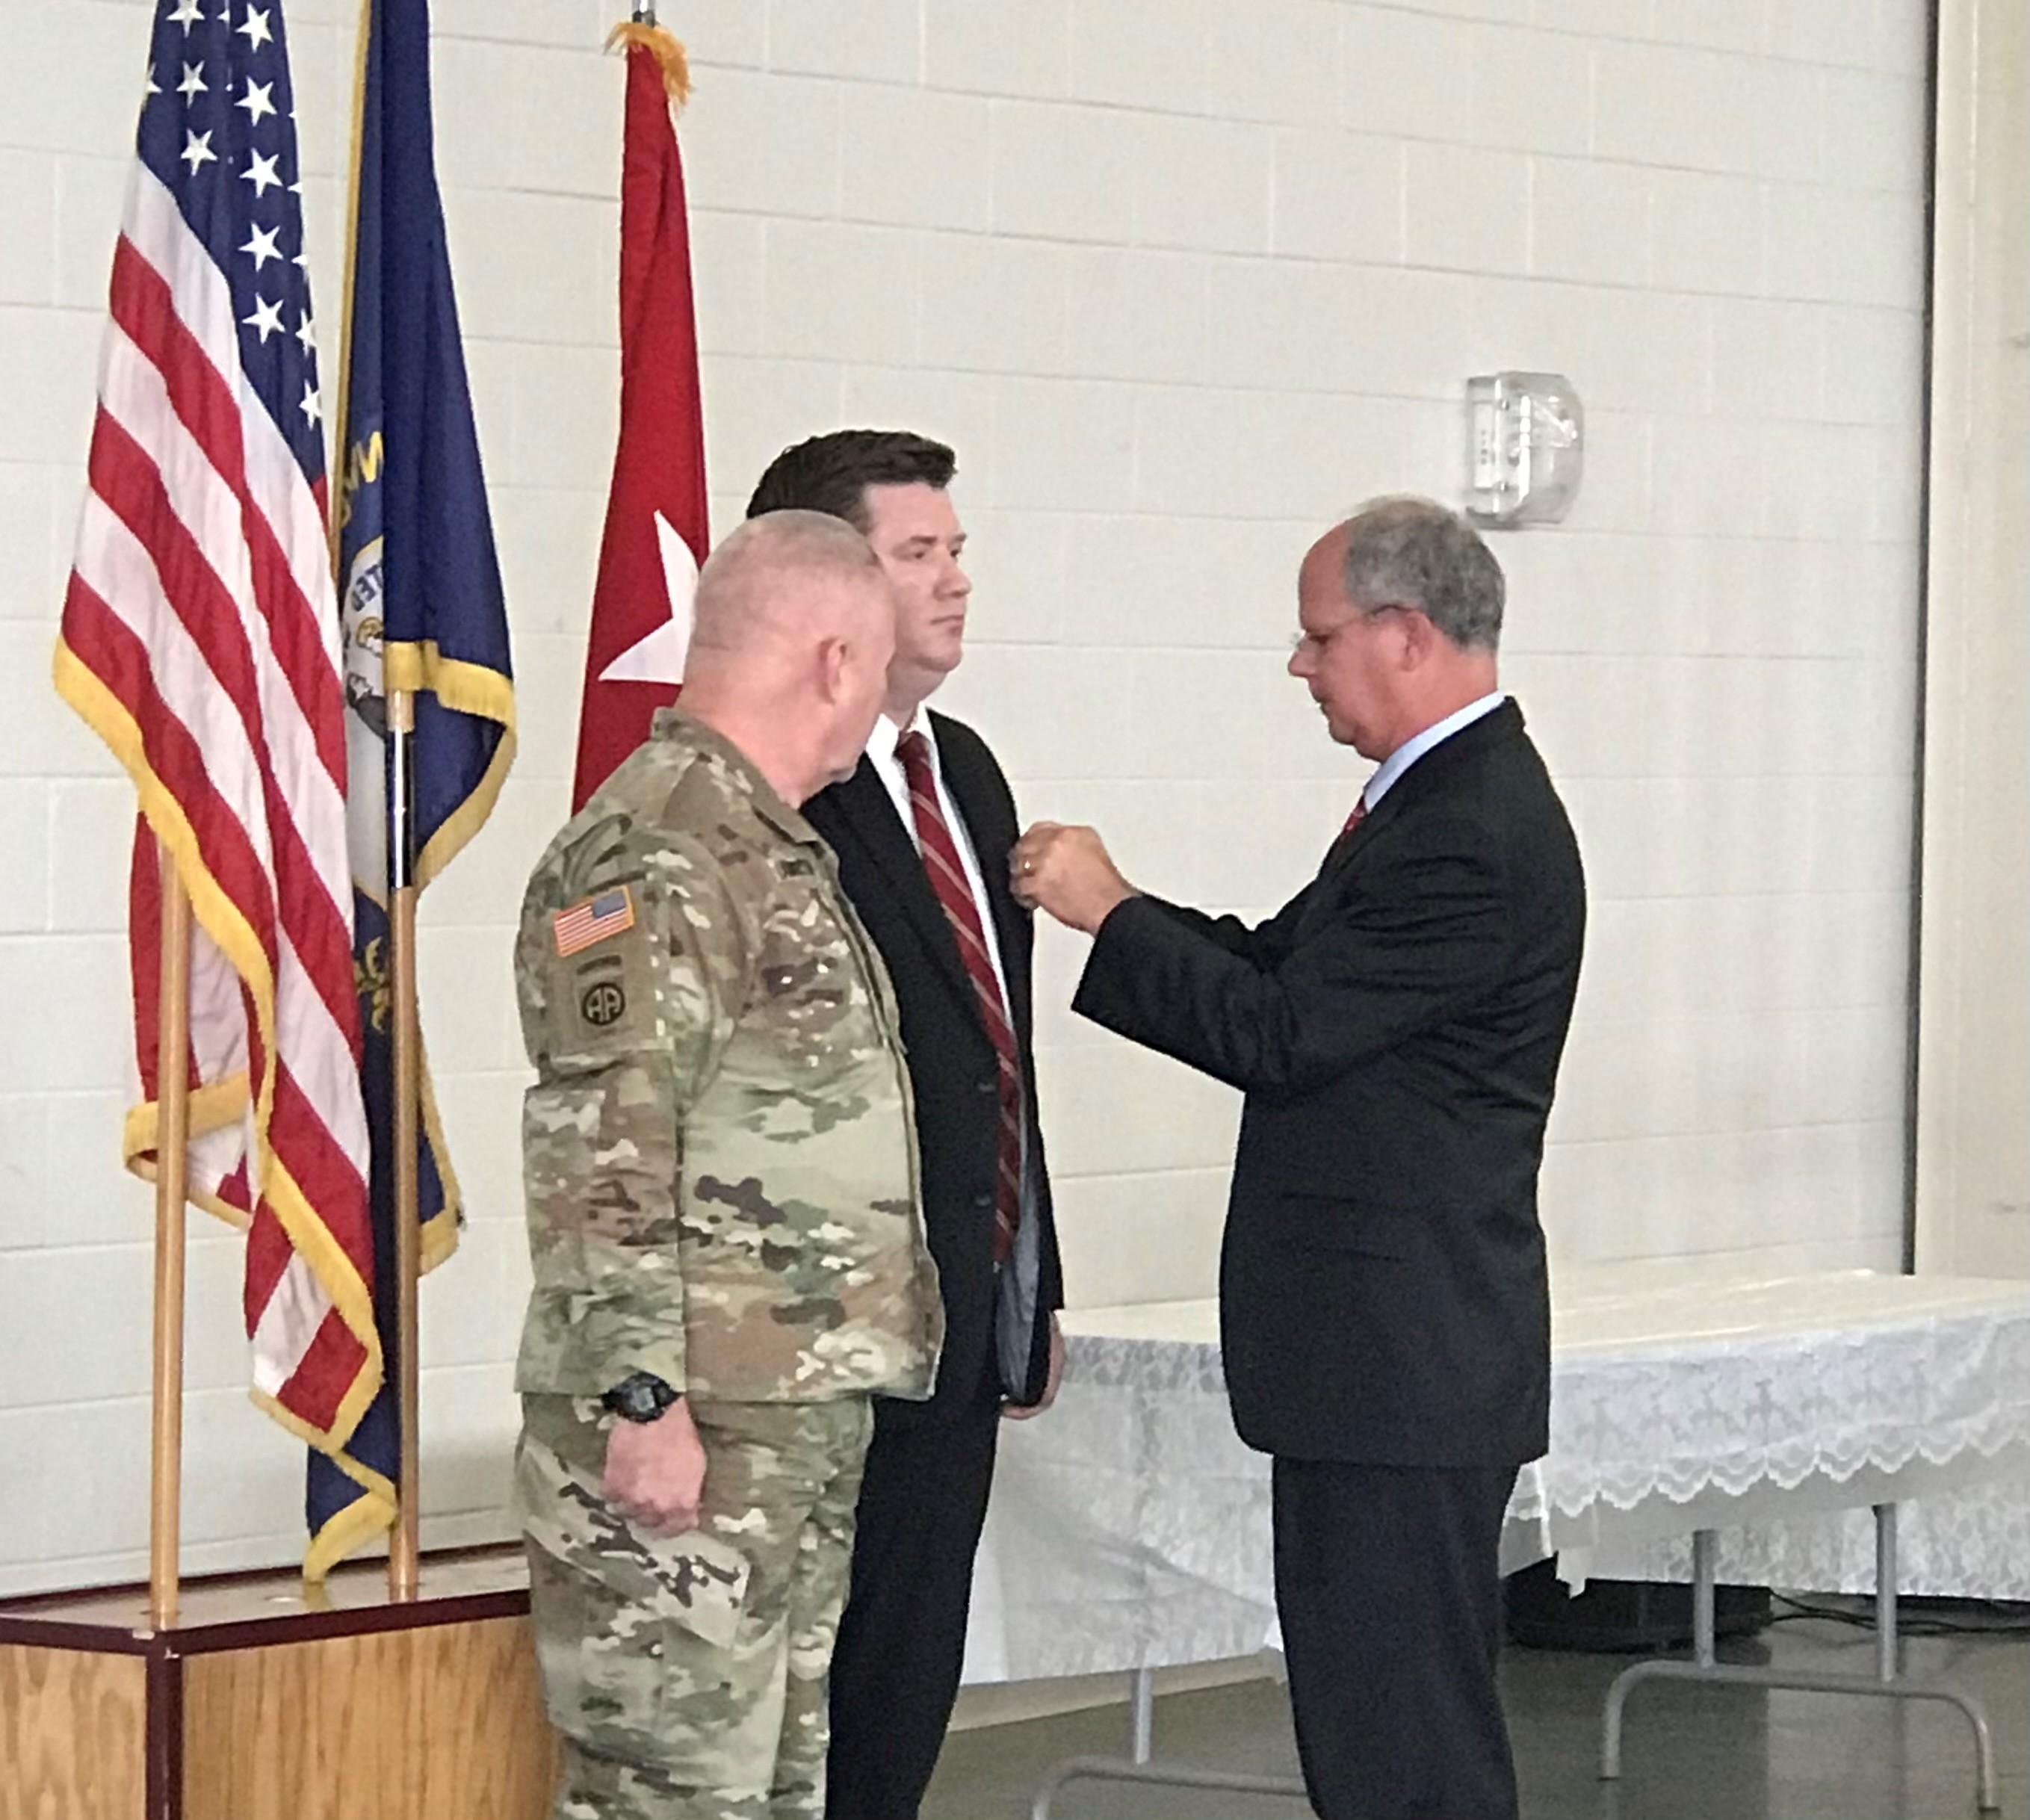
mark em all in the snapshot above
pixel 668 53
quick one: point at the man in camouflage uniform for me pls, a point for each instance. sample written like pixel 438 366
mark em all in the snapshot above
pixel 722 1210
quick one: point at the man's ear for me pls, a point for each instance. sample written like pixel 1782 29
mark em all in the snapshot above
pixel 1419 637
pixel 830 660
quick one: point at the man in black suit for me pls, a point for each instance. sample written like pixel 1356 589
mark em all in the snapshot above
pixel 923 831
pixel 1397 1030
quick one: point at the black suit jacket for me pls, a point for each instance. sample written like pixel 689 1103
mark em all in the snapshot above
pixel 952 1064
pixel 1397 1030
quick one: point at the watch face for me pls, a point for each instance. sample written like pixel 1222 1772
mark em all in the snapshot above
pixel 639 1398
pixel 644 1400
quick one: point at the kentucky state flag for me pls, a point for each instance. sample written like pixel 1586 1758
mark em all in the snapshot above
pixel 419 590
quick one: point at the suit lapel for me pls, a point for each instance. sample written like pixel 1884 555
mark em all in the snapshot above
pixel 868 810
pixel 1424 778
pixel 1339 854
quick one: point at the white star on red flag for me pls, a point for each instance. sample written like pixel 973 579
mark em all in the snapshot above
pixel 659 656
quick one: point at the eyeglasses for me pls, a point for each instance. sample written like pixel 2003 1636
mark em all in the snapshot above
pixel 1316 644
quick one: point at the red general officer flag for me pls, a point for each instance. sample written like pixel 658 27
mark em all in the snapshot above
pixel 655 521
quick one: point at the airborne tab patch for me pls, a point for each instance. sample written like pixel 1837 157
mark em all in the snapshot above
pixel 592 920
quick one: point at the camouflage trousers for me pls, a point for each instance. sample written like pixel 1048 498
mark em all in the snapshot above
pixel 687 1673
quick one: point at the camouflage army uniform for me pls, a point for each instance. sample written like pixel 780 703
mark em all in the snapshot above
pixel 721 1177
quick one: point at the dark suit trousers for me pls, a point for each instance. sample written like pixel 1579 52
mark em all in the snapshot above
pixel 1389 1588
pixel 901 1638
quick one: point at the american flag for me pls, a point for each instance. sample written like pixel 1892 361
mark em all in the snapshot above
pixel 596 918
pixel 201 641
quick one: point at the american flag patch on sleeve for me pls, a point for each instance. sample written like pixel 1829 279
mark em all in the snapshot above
pixel 593 920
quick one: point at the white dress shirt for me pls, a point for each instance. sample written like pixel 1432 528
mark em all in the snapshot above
pixel 1410 750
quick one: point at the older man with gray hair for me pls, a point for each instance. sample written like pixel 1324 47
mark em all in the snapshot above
pixel 1396 1029
pixel 723 1209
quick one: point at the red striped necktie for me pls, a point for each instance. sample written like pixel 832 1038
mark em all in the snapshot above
pixel 1359 814
pixel 947 876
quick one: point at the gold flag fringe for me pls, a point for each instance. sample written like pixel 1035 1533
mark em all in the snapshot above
pixel 668 53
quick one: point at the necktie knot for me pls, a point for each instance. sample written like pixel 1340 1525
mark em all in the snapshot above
pixel 1359 815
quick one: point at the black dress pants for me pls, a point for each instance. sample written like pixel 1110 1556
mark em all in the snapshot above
pixel 901 1638
pixel 1388 1589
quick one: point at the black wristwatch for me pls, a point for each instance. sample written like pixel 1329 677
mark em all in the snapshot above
pixel 639 1397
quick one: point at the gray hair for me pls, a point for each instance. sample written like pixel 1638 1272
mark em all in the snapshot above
pixel 1406 551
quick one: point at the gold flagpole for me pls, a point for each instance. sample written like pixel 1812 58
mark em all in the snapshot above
pixel 403 1540
pixel 171 1156
pixel 404 1545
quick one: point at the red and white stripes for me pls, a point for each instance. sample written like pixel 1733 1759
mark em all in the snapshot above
pixel 200 638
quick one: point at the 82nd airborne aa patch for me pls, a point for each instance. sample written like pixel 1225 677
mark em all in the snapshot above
pixel 593 919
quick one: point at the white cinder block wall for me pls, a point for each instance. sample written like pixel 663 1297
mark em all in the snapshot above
pixel 1182 279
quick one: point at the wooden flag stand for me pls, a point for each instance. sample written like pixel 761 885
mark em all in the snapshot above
pixel 266 1699
pixel 257 1696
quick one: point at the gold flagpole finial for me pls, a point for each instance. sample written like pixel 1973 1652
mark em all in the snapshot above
pixel 668 53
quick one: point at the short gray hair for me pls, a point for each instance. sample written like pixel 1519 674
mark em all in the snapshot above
pixel 785 570
pixel 1406 551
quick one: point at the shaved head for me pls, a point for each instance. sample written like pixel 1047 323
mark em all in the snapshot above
pixel 794 626
pixel 786 580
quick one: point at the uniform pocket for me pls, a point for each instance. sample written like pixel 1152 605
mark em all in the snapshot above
pixel 631 1629
pixel 600 1655
pixel 705 1585
pixel 629 1637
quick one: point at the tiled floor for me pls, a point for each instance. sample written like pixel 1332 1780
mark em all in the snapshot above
pixel 1690 1753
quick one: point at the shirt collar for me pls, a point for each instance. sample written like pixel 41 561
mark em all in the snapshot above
pixel 1413 748
pixel 886 736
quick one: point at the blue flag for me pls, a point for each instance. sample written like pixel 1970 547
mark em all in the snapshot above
pixel 419 590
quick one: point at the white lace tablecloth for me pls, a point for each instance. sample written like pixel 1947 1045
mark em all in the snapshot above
pixel 1129 1527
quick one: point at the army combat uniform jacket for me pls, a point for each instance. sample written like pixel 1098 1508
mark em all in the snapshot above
pixel 720 1162
pixel 722 1183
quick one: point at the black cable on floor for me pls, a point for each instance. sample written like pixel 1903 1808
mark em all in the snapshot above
pixel 1971 1616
